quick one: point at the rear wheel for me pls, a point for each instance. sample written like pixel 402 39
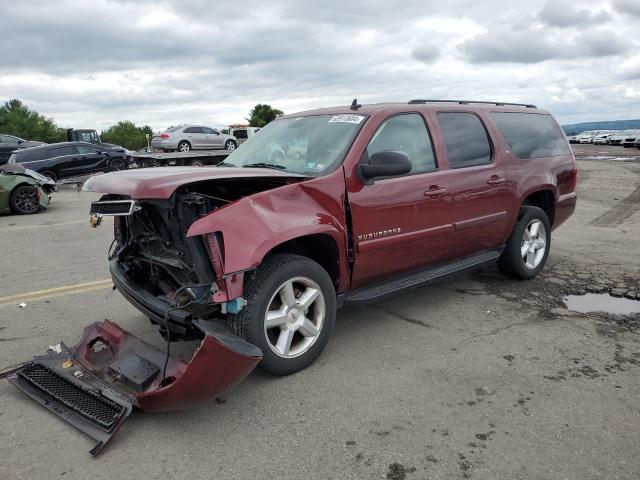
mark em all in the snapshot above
pixel 25 200
pixel 51 174
pixel 528 247
pixel 290 312
pixel 184 146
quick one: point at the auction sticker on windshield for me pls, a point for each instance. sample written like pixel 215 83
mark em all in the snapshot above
pixel 346 119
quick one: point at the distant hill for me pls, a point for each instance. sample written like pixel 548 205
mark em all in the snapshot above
pixel 609 125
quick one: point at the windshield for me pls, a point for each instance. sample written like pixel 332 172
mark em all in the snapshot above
pixel 311 146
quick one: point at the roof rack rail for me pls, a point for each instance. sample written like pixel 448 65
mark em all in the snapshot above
pixel 466 102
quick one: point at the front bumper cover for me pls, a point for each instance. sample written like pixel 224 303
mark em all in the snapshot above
pixel 95 385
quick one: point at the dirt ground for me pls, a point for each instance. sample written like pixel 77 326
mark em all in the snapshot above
pixel 479 377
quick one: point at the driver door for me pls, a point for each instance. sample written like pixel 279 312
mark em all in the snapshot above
pixel 401 223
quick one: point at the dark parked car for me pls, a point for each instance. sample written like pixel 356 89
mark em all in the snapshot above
pixel 9 143
pixel 255 257
pixel 70 159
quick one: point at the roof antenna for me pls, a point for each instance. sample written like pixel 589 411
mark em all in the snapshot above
pixel 355 105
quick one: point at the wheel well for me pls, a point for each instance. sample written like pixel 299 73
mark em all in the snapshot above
pixel 545 200
pixel 320 248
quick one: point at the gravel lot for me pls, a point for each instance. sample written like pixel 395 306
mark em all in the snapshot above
pixel 479 377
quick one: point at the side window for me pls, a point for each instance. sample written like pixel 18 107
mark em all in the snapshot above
pixel 207 130
pixel 466 139
pixel 240 134
pixel 84 149
pixel 31 155
pixel 61 151
pixel 406 133
pixel 193 130
pixel 531 135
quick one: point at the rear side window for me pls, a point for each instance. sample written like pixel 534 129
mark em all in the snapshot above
pixel 405 133
pixel 84 149
pixel 240 134
pixel 193 130
pixel 30 155
pixel 62 151
pixel 531 135
pixel 466 139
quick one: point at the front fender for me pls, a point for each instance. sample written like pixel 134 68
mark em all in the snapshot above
pixel 254 225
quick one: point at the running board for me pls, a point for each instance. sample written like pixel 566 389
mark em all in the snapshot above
pixel 376 291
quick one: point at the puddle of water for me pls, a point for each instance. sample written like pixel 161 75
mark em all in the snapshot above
pixel 601 302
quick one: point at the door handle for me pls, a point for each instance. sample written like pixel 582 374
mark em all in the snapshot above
pixel 496 180
pixel 435 191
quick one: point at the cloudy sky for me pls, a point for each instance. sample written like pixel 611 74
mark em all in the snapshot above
pixel 91 63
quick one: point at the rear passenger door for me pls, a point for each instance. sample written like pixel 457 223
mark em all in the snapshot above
pixel 63 160
pixel 478 185
pixel 195 137
pixel 400 223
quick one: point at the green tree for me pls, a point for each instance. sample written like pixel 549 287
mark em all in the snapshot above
pixel 262 114
pixel 127 135
pixel 17 119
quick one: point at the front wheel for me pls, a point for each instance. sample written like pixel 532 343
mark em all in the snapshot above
pixel 25 200
pixel 528 247
pixel 290 312
pixel 230 145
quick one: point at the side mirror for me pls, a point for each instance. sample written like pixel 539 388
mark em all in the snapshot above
pixel 216 132
pixel 20 142
pixel 385 164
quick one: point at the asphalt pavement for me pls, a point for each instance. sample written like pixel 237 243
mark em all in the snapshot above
pixel 478 377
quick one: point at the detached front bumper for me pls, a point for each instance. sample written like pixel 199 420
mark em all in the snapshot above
pixel 95 385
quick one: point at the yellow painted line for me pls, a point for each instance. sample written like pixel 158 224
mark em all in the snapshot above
pixel 59 294
pixel 41 225
pixel 55 292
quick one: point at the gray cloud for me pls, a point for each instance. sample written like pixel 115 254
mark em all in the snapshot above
pixel 563 13
pixel 169 62
pixel 630 7
pixel 426 53
pixel 537 45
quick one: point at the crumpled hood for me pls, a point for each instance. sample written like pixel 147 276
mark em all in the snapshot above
pixel 162 182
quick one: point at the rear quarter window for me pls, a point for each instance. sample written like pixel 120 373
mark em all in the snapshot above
pixel 30 155
pixel 531 135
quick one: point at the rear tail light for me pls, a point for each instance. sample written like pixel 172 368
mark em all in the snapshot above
pixel 164 135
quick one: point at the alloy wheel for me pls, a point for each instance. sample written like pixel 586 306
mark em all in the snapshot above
pixel 27 200
pixel 534 244
pixel 294 317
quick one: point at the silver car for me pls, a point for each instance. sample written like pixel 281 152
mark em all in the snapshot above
pixel 184 138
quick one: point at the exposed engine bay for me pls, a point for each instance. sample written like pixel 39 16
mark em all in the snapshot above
pixel 152 251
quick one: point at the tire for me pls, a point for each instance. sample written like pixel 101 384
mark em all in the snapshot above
pixel 50 173
pixel 24 200
pixel 305 334
pixel 513 261
pixel 196 163
pixel 184 146
pixel 230 145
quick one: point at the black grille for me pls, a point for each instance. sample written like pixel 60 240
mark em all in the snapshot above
pixel 91 405
pixel 111 208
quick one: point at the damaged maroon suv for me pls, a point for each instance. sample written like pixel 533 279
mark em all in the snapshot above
pixel 320 209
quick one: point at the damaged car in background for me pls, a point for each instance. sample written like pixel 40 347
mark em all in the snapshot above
pixel 23 191
pixel 252 258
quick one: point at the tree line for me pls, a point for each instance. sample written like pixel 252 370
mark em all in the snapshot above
pixel 19 120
